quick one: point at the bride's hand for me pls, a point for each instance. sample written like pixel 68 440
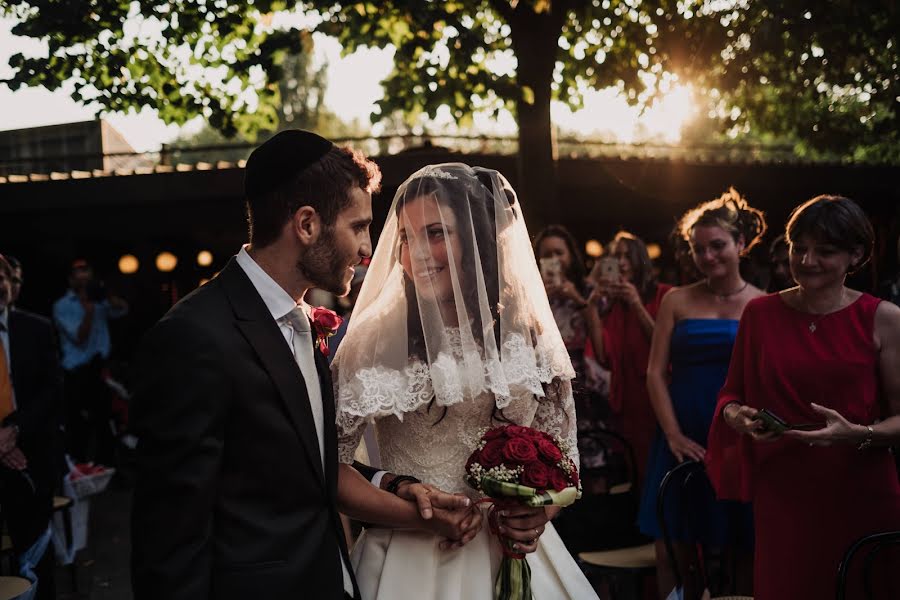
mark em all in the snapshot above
pixel 428 497
pixel 523 525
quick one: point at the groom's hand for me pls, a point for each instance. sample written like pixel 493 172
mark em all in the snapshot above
pixel 427 498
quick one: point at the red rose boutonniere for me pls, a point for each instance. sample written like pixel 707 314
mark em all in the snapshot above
pixel 326 323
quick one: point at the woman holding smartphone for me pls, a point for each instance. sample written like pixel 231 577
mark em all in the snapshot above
pixel 816 353
pixel 689 353
pixel 633 296
pixel 564 274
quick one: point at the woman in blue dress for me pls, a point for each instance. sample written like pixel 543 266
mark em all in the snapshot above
pixel 689 355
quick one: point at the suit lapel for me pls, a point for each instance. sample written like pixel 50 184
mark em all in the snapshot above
pixel 262 333
pixel 331 462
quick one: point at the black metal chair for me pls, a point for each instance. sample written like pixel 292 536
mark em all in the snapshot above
pixel 692 475
pixel 872 545
pixel 609 546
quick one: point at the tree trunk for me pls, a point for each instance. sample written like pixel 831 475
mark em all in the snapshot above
pixel 534 40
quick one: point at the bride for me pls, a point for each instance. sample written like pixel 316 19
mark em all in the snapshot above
pixel 452 333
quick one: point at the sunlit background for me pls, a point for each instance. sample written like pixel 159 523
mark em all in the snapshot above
pixel 353 88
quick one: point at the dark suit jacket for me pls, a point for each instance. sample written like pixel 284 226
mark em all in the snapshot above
pixel 37 381
pixel 230 500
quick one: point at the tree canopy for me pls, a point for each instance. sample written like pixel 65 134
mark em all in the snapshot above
pixel 822 74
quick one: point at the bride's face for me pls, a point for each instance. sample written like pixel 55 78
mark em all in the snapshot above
pixel 430 247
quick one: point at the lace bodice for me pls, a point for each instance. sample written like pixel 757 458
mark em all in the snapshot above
pixel 434 446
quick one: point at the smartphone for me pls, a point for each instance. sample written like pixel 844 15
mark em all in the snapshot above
pixel 551 270
pixel 609 268
pixel 778 425
pixel 772 422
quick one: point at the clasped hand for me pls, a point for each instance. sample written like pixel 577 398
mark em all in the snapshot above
pixel 453 517
pixel 11 456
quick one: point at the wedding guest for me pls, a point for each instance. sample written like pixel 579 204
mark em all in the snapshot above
pixel 684 260
pixel 633 298
pixel 17 279
pixel 780 270
pixel 825 354
pixel 359 275
pixel 82 318
pixel 691 346
pixel 30 396
pixel 578 320
pixel 890 287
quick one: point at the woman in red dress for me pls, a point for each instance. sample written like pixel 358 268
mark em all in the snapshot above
pixel 817 353
pixel 624 346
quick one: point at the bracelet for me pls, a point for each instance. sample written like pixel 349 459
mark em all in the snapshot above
pixel 396 481
pixel 868 441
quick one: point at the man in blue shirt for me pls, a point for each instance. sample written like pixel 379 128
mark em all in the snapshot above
pixel 82 317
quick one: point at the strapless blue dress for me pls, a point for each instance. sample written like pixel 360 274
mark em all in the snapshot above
pixel 699 354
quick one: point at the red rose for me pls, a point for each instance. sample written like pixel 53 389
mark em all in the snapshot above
pixel 494 433
pixel 492 453
pixel 520 450
pixel 518 431
pixel 536 475
pixel 558 480
pixel 549 452
pixel 326 321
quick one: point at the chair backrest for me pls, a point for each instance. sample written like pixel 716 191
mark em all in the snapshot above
pixel 718 570
pixel 607 520
pixel 872 545
pixel 682 474
pixel 611 441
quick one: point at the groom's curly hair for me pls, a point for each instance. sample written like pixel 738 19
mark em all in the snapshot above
pixel 324 186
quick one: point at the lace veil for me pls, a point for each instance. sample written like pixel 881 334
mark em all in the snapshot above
pixel 452 307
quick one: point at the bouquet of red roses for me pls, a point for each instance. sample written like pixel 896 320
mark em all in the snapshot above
pixel 520 465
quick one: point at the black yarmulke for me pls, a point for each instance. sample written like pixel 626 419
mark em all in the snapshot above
pixel 281 158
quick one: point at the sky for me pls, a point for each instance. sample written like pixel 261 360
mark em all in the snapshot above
pixel 353 89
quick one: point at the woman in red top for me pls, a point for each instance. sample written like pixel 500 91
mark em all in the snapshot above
pixel 624 346
pixel 817 353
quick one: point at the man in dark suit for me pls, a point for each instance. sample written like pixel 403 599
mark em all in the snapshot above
pixel 236 493
pixel 30 397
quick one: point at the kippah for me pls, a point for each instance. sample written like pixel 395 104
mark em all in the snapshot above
pixel 281 158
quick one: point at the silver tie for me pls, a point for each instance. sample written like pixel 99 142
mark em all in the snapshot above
pixel 303 355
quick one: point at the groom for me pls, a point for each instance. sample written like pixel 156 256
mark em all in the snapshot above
pixel 237 460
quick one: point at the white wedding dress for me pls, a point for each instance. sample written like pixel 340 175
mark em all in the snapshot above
pixel 434 446
pixel 452 327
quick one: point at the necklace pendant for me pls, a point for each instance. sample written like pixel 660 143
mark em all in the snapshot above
pixel 812 327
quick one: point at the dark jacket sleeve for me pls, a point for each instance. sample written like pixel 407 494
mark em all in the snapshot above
pixel 366 471
pixel 178 413
pixel 38 415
